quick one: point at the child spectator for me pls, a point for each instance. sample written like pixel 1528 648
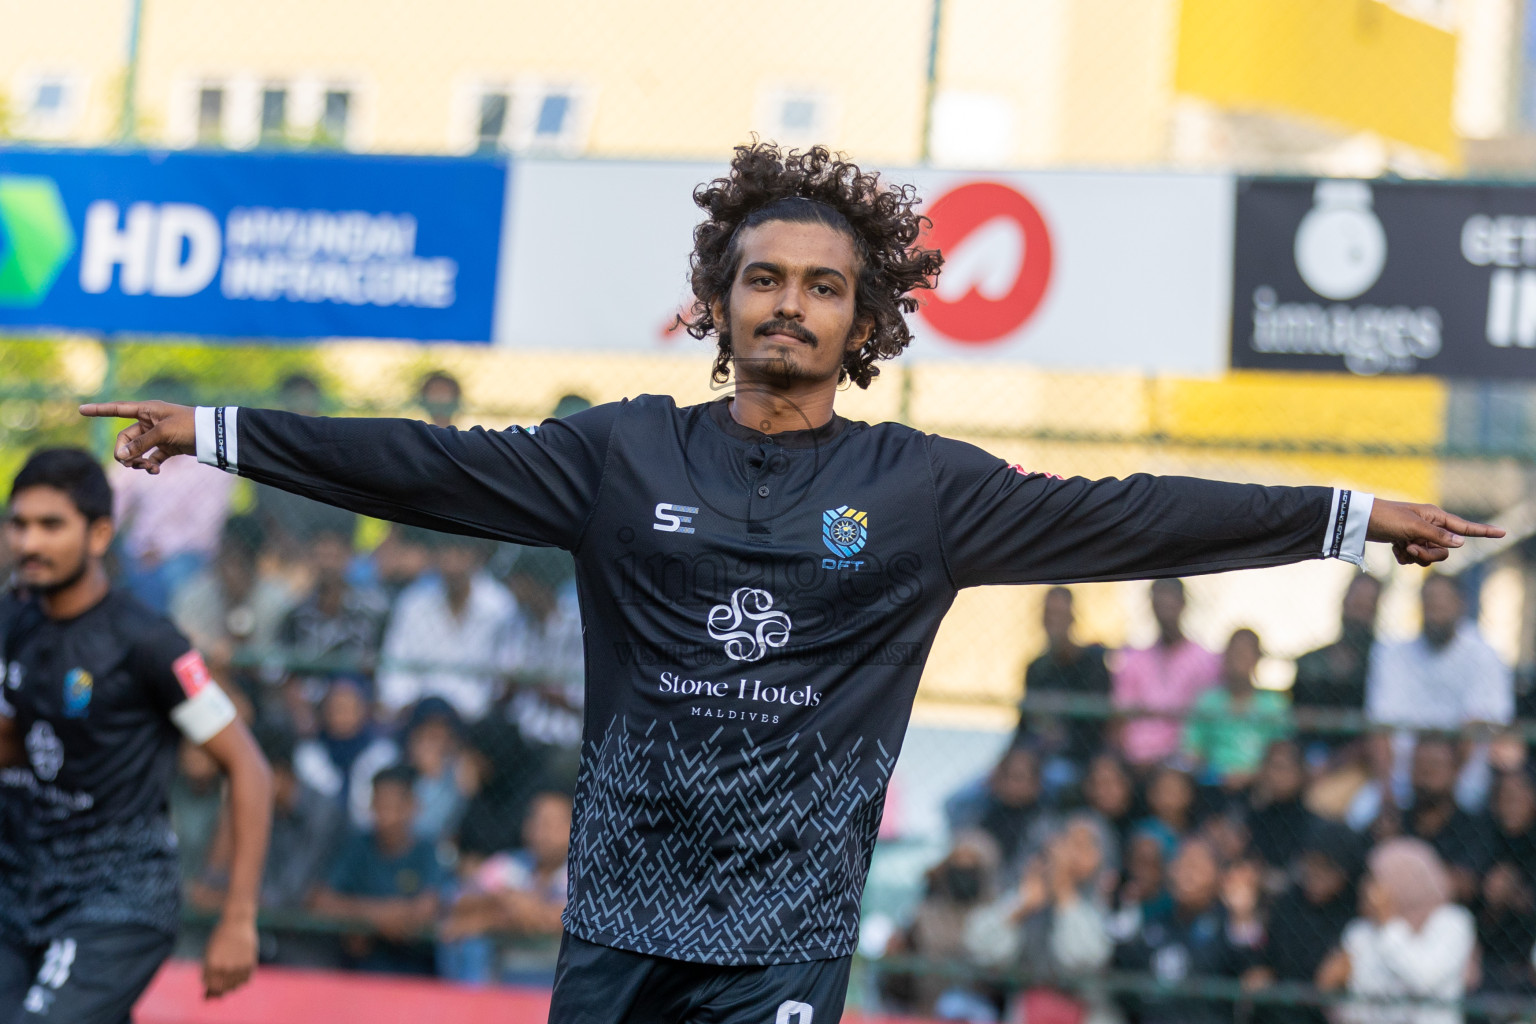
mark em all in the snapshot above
pixel 1232 725
pixel 432 750
pixel 1278 820
pixel 389 880
pixel 348 752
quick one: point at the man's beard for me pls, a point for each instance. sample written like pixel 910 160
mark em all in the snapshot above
pixel 69 579
pixel 777 371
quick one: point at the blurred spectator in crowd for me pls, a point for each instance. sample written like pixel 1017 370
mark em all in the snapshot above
pixel 1447 679
pixel 502 771
pixel 1506 913
pixel 1143 894
pixel 1212 930
pixel 1460 840
pixel 229 610
pixel 1278 820
pixel 1307 920
pixel 440 397
pixel 1171 799
pixel 1333 678
pixel 307 828
pixel 518 893
pixel 1056 926
pixel 1110 793
pixel 1412 941
pixel 349 750
pixel 168 524
pixel 197 799
pixel 450 635
pixel 1231 725
pixel 1010 810
pixel 432 749
pixel 1066 669
pixel 965 881
pixel 400 559
pixel 548 673
pixel 388 879
pixel 1166 678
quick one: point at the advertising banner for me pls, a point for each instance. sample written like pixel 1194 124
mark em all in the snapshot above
pixel 1371 277
pixel 250 245
pixel 1059 270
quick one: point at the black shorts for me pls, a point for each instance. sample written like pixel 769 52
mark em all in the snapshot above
pixel 92 974
pixel 601 985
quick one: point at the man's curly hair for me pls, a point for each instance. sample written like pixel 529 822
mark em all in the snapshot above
pixel 882 221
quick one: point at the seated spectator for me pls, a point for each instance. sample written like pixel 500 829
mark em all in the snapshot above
pixel 229 610
pixel 307 828
pixel 1448 680
pixel 520 893
pixel 502 772
pixel 348 751
pixel 1308 919
pixel 1332 678
pixel 400 559
pixel 1056 926
pixel 337 629
pixel 1171 799
pixel 1109 792
pixel 450 636
pixel 960 884
pixel 432 749
pixel 1065 669
pixel 1165 678
pixel 548 669
pixel 1278 820
pixel 389 880
pixel 1143 895
pixel 1460 840
pixel 1010 810
pixel 1506 918
pixel 1212 930
pixel 1231 725
pixel 440 397
pixel 1412 942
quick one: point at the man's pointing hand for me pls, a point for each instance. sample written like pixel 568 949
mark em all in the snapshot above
pixel 1421 534
pixel 158 431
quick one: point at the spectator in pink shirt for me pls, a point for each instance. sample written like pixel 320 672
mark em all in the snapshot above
pixel 1166 677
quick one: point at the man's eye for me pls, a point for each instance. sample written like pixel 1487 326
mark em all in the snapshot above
pixel 823 289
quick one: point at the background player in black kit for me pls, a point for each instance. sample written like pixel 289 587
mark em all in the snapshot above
pixel 98 692
pixel 761 581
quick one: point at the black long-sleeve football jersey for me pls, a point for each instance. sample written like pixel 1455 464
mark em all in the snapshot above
pixel 757 612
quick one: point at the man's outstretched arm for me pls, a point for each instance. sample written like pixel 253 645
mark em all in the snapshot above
pixel 1001 524
pixel 527 485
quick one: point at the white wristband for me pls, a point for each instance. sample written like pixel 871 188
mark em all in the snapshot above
pixel 218 439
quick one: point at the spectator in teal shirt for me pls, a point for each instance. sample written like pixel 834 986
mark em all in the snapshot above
pixel 1233 724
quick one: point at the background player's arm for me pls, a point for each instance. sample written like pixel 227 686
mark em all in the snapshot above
pixel 1001 524
pixel 11 752
pixel 231 953
pixel 511 484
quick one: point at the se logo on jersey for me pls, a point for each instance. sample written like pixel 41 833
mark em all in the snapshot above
pixel 77 693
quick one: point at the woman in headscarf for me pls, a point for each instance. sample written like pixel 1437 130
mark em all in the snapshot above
pixel 1412 944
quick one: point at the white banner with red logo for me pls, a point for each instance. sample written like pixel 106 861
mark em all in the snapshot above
pixel 1091 271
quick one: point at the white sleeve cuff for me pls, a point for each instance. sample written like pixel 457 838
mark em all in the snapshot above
pixel 204 716
pixel 218 441
pixel 1348 517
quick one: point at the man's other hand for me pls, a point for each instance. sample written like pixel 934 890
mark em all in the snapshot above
pixel 159 430
pixel 1421 534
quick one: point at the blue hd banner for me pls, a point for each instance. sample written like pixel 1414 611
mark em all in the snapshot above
pixel 250 245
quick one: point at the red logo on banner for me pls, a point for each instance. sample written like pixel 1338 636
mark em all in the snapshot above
pixel 997 262
pixel 192 673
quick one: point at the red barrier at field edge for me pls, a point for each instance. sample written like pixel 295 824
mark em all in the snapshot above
pixel 287 996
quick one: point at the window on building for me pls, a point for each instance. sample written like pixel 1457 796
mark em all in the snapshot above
pixel 554 113
pixel 48 99
pixel 333 117
pixel 274 116
pixel 794 117
pixel 493 121
pixel 210 116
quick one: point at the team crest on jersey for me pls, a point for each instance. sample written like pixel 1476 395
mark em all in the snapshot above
pixel 77 693
pixel 844 530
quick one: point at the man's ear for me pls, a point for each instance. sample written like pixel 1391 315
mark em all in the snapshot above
pixel 98 536
pixel 718 313
pixel 863 330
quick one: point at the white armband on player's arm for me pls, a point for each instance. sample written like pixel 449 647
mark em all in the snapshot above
pixel 218 442
pixel 207 709
pixel 1348 518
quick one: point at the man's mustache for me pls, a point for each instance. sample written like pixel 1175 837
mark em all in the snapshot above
pixel 788 327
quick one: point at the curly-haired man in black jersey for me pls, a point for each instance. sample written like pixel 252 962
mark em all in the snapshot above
pixel 761 581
